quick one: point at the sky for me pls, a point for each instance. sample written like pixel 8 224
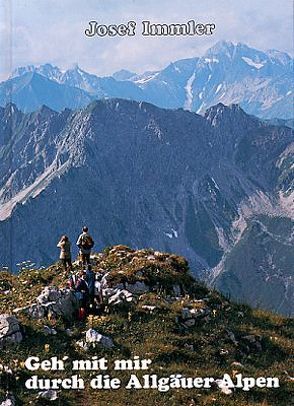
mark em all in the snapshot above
pixel 52 31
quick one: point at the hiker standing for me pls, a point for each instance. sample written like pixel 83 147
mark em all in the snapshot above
pixel 90 279
pixel 82 294
pixel 85 243
pixel 98 288
pixel 65 254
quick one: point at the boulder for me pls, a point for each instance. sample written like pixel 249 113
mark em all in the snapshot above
pixel 222 385
pixel 120 297
pixel 189 322
pixel 189 347
pixel 254 341
pixel 250 338
pixel 232 337
pixel 54 302
pixel 137 288
pixel 93 337
pixel 48 394
pixel 49 294
pixel 49 331
pixel 10 330
pixel 194 313
pixel 149 308
pixel 35 311
pixel 177 290
pixel 9 401
pixel 186 313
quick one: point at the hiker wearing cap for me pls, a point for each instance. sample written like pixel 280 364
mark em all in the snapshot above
pixel 85 243
pixel 65 254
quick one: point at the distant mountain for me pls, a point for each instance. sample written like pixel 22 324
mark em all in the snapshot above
pixel 260 82
pixel 91 85
pixel 149 177
pixel 32 90
pixel 123 74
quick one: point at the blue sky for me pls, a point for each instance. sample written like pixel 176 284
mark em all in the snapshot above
pixel 39 31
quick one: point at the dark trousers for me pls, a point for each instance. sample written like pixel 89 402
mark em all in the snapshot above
pixel 85 259
pixel 66 262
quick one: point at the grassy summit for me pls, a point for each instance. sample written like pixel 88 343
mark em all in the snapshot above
pixel 223 337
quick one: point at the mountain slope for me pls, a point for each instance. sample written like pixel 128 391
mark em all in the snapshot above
pixel 142 176
pixel 265 277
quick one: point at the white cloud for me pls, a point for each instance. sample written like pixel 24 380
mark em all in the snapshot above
pixel 53 31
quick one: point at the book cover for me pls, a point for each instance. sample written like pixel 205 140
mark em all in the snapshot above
pixel 146 202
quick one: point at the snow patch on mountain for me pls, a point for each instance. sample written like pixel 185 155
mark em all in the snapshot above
pixel 172 234
pixel 250 62
pixel 32 191
pixel 189 92
pixel 211 60
pixel 218 88
pixel 146 78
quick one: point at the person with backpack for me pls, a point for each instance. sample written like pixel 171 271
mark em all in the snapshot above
pixel 85 243
pixel 65 254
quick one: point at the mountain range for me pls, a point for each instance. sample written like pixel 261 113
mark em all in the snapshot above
pixel 260 82
pixel 216 188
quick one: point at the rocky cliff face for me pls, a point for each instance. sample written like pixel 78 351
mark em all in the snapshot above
pixel 142 176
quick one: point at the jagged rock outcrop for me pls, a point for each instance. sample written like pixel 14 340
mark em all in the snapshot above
pixel 52 303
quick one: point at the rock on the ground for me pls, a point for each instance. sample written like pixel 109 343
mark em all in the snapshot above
pixel 10 330
pixel 232 337
pixel 254 341
pixel 49 331
pixel 149 308
pixel 93 337
pixel 9 401
pixel 137 288
pixel 120 296
pixel 54 302
pixel 222 385
pixel 189 322
pixel 194 313
pixel 177 290
pixel 48 394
